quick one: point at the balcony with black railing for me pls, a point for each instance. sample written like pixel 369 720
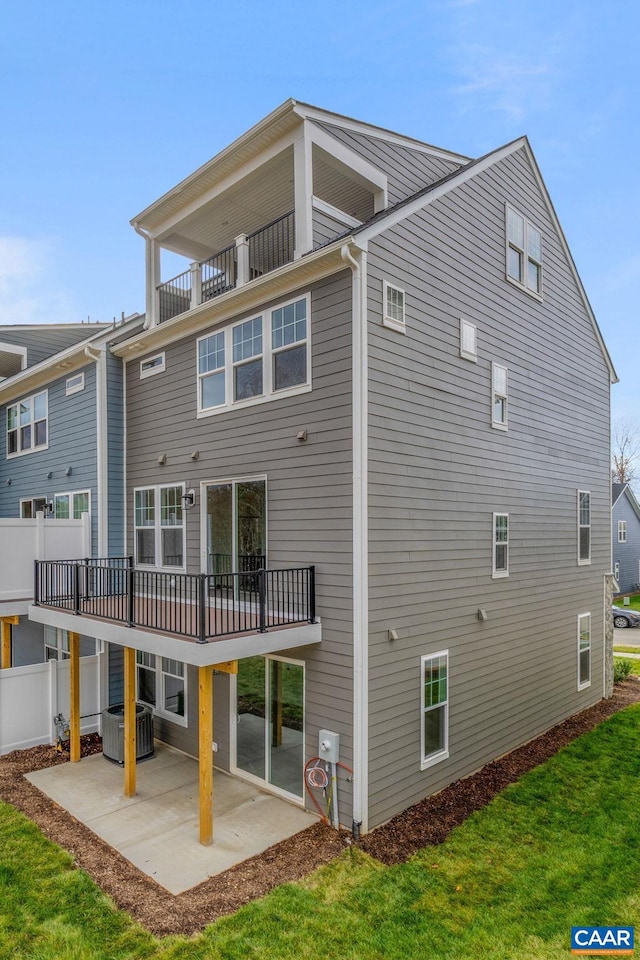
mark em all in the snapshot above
pixel 252 255
pixel 201 607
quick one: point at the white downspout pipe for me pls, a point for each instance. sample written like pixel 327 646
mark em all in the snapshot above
pixel 99 357
pixel 152 278
pixel 359 361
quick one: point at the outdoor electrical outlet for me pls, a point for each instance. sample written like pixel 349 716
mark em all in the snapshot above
pixel 329 748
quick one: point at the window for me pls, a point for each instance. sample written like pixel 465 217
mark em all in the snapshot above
pixel 74 384
pixel 159 526
pixel 584 526
pixel 500 545
pixel 584 651
pixel 524 253
pixel 31 506
pixel 255 360
pixel 71 505
pixel 468 340
pixel 56 644
pixel 616 570
pixel 27 425
pixel 393 307
pixel 152 365
pixel 162 685
pixel 435 708
pixel 622 531
pixel 499 391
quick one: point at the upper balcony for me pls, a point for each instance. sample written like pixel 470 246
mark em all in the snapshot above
pixel 282 190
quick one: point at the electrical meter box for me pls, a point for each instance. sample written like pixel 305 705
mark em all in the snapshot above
pixel 329 746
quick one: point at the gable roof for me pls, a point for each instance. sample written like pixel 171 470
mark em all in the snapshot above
pixel 618 489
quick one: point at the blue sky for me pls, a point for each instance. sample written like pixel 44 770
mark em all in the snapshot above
pixel 105 106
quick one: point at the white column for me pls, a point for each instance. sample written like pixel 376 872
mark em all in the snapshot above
pixel 152 251
pixel 242 251
pixel 196 284
pixel 303 192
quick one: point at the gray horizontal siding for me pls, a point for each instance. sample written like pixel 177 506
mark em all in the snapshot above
pixel 115 454
pixel 72 443
pixel 627 555
pixel 325 228
pixel 42 341
pixel 408 170
pixel 437 471
pixel 308 487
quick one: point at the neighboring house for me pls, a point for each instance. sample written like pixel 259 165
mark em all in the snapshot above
pixel 61 456
pixel 359 383
pixel 625 523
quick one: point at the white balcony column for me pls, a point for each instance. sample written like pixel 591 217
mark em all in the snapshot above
pixel 196 284
pixel 242 252
pixel 152 251
pixel 303 192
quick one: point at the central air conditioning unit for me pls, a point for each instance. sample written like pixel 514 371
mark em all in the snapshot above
pixel 113 733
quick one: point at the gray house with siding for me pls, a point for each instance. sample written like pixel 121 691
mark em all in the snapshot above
pixel 625 528
pixel 359 470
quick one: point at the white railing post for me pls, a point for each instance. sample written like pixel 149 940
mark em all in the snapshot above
pixel 86 535
pixel 196 284
pixel 53 697
pixel 242 251
pixel 40 535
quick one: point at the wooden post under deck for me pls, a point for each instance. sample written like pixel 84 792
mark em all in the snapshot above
pixel 74 720
pixel 5 643
pixel 205 707
pixel 129 722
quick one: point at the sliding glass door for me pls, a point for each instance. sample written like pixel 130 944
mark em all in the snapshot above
pixel 236 526
pixel 270 722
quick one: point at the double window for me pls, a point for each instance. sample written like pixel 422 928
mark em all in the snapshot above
pixel 159 526
pixel 71 506
pixel 435 708
pixel 584 526
pixel 161 683
pixel 524 253
pixel 27 425
pixel 584 650
pixel 500 545
pixel 622 531
pixel 259 358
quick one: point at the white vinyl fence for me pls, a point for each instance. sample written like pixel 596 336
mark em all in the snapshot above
pixel 31 696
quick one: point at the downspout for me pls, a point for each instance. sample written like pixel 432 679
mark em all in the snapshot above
pixel 99 357
pixel 359 361
pixel 150 278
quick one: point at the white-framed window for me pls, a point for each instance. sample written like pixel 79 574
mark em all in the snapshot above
pixel 616 570
pixel 434 709
pixel 74 384
pixel 30 506
pixel 622 531
pixel 468 340
pixel 584 526
pixel 56 644
pixel 393 304
pixel 27 425
pixel 159 526
pixel 500 545
pixel 152 365
pixel 257 359
pixel 162 684
pixel 584 651
pixel 71 505
pixel 499 396
pixel 524 253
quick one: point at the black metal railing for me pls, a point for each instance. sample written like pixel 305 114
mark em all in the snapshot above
pixel 174 296
pixel 271 247
pixel 202 607
pixel 219 273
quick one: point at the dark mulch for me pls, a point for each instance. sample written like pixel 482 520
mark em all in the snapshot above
pixel 426 823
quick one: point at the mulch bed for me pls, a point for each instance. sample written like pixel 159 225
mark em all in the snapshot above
pixel 423 824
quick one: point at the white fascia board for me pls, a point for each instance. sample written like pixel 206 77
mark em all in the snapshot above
pixel 16 607
pixel 565 246
pixel 285 280
pixel 622 489
pixel 379 133
pixel 635 506
pixel 323 207
pixel 186 651
pixel 357 167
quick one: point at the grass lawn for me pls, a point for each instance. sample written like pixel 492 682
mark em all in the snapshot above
pixel 634 602
pixel 556 849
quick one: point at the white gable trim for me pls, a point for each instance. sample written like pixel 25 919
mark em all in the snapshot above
pixel 355 166
pixel 323 207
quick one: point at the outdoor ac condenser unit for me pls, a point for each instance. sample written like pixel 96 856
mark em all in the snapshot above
pixel 113 733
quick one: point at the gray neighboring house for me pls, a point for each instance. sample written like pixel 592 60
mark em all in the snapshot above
pixel 360 384
pixel 625 528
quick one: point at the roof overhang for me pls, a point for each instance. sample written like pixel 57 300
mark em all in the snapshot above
pixel 177 648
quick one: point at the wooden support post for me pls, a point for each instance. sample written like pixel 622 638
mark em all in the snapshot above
pixel 205 707
pixel 129 722
pixel 5 642
pixel 74 720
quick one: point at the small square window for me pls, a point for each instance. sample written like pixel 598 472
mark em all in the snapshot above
pixel 393 306
pixel 468 340
pixel 74 384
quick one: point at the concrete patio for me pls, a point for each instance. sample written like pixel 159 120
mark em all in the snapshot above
pixel 157 830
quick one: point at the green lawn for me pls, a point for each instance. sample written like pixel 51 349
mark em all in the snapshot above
pixel 634 602
pixel 558 848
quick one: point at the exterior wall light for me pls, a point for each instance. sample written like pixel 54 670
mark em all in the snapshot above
pixel 188 499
